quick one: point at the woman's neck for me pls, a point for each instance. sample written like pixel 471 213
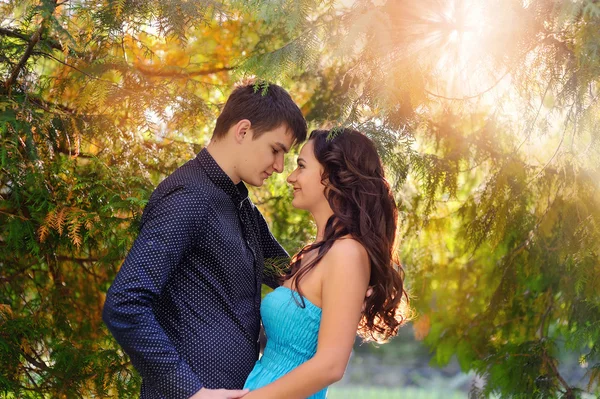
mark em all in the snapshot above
pixel 321 216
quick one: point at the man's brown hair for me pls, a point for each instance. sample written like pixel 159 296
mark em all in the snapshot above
pixel 267 106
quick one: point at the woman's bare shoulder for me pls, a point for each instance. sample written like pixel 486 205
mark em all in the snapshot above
pixel 347 252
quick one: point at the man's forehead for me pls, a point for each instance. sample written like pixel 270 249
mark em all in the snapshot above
pixel 284 139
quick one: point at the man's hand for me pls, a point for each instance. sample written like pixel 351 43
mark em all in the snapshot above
pixel 367 295
pixel 220 393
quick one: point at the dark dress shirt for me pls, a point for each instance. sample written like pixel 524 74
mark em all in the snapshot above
pixel 185 305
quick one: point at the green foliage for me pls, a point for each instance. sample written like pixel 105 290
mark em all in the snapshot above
pixel 494 160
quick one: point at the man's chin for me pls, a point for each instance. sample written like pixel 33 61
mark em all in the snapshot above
pixel 255 183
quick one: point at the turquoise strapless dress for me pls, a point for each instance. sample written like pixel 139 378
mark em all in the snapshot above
pixel 292 334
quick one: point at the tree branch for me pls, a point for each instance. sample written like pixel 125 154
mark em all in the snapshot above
pixel 180 74
pixel 37 363
pixel 10 33
pixel 35 38
pixel 82 262
pixel 79 70
pixel 13 215
pixel 18 35
pixel 550 362
pixel 559 144
pixel 472 96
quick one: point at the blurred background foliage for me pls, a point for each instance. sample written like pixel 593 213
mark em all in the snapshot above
pixel 485 113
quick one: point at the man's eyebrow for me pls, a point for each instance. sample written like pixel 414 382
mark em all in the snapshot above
pixel 282 146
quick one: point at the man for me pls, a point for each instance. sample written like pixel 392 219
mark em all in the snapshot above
pixel 185 305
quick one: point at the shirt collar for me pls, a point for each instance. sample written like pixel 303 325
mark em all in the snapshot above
pixel 237 192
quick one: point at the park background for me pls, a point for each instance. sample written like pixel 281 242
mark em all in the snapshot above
pixel 484 112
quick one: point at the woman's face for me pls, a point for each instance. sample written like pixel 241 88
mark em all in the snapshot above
pixel 309 192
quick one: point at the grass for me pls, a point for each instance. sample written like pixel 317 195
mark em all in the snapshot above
pixel 347 392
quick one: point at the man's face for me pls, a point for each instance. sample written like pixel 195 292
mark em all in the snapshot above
pixel 264 156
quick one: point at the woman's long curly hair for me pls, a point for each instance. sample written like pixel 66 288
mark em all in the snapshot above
pixel 364 209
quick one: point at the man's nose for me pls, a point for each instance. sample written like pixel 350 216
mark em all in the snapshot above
pixel 278 165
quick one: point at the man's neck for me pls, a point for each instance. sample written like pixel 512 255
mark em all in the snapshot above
pixel 221 153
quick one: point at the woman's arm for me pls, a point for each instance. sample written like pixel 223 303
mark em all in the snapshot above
pixel 346 274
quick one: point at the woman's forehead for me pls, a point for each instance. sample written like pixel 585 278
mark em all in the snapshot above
pixel 307 150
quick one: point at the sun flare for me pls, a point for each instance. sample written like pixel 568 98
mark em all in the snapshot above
pixel 456 41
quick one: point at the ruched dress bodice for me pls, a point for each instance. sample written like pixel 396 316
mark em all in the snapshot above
pixel 292 334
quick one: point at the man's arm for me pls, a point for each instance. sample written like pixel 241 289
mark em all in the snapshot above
pixel 277 260
pixel 169 227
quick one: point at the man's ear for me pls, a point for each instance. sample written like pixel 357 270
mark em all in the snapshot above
pixel 241 130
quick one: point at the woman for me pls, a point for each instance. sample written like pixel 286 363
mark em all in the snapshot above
pixel 312 319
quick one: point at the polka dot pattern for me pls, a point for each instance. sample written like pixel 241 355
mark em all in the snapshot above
pixel 185 305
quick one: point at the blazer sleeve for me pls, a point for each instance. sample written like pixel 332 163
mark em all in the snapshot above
pixel 170 224
pixel 277 260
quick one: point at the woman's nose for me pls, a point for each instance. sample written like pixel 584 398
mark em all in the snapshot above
pixel 291 178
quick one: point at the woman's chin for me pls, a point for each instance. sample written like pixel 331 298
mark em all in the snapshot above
pixel 297 204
